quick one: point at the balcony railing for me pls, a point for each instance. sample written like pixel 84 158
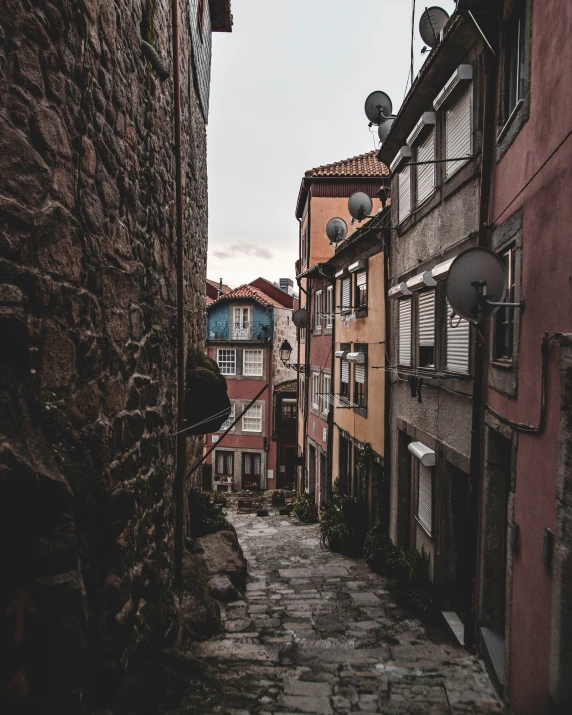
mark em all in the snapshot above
pixel 260 330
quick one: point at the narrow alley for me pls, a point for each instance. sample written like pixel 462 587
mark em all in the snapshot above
pixel 318 633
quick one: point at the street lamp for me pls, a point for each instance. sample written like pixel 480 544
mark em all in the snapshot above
pixel 285 353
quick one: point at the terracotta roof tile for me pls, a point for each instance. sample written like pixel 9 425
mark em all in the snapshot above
pixel 248 291
pixel 362 165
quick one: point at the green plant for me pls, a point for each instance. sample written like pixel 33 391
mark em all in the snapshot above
pixel 409 579
pixel 205 516
pixel 278 497
pixel 305 508
pixel 379 551
pixel 343 523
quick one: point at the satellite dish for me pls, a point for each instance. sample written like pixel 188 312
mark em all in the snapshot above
pixel 360 205
pixel 301 318
pixel 476 277
pixel 378 107
pixel 431 23
pixel 383 129
pixel 336 230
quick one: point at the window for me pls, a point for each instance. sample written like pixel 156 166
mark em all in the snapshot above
pixel 241 325
pixel 404 193
pixel 346 294
pixel 229 420
pixel 288 409
pixel 302 395
pixel 226 360
pixel 326 385
pixel 458 337
pixel 252 420
pixel 426 172
pixel 458 133
pixel 427 329
pixel 304 246
pixel 504 319
pixel 329 306
pixel 318 310
pixel 404 357
pixel 316 390
pixel 345 382
pixel 361 289
pixel 359 384
pixel 425 498
pixel 514 61
pixel 251 464
pixel 224 463
pixel 253 363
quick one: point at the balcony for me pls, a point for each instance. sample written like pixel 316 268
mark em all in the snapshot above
pixel 223 330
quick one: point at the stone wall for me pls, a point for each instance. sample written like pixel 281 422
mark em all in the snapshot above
pixel 88 319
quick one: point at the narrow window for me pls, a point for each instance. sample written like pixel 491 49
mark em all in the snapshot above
pixel 345 382
pixel 226 360
pixel 405 331
pixel 346 294
pixel 404 193
pixel 514 59
pixel 425 498
pixel 504 319
pixel 458 133
pixel 329 306
pixel 252 420
pixel 361 289
pixel 360 384
pixel 316 390
pixel 318 310
pixel 426 329
pixel 426 172
pixel 224 463
pixel 326 382
pixel 458 341
pixel 241 325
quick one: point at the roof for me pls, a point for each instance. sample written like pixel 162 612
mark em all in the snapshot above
pixel 273 291
pixel 365 165
pixel 210 300
pixel 287 386
pixel 252 293
pixel 216 284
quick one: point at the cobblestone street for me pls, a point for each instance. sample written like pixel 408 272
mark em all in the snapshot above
pixel 318 633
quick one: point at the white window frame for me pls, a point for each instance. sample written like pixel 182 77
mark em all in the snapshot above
pixel 252 420
pixel 256 364
pixel 326 388
pixel 426 325
pixel 451 167
pixel 318 310
pixel 226 366
pixel 329 307
pixel 229 420
pixel 316 390
pixel 346 281
pixel 403 181
pixel 424 516
pixel 223 454
pixel 425 152
pixel 404 357
pixel 458 344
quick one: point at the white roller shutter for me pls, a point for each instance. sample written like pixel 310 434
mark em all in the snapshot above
pixel 359 372
pixel 425 500
pixel 346 294
pixel 458 132
pixel 426 172
pixel 360 278
pixel 405 332
pixel 458 343
pixel 404 193
pixel 427 318
pixel 345 371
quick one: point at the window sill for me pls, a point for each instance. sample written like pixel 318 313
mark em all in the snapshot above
pixel 429 534
pixel 361 411
pixel 503 364
pixel 361 312
pixel 507 125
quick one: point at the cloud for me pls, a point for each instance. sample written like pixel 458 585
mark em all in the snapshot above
pixel 242 249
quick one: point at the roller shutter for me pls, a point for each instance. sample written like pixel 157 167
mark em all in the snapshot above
pixel 458 343
pixel 427 318
pixel 405 331
pixel 404 193
pixel 359 372
pixel 345 371
pixel 458 132
pixel 425 500
pixel 360 278
pixel 346 294
pixel 426 172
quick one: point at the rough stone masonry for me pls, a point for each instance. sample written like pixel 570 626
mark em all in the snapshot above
pixel 88 339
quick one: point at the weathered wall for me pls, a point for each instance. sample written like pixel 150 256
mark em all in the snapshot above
pixel 284 329
pixel 87 261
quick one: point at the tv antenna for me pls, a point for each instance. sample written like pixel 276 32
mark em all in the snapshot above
pixel 336 230
pixel 301 318
pixel 431 22
pixel 378 108
pixel 383 129
pixel 476 285
pixel 360 206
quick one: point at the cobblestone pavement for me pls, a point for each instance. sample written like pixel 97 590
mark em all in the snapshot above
pixel 318 633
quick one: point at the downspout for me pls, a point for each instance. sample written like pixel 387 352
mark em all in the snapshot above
pixel 475 463
pixel 269 409
pixel 179 486
pixel 387 391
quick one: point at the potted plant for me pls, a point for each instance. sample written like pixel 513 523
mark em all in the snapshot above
pixel 305 508
pixel 278 497
pixel 343 525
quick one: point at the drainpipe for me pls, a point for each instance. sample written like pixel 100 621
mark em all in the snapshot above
pixel 270 405
pixel 179 486
pixel 475 481
pixel 387 394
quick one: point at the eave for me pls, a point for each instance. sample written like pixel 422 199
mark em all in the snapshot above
pixel 221 16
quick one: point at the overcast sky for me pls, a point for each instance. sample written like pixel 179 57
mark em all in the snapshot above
pixel 287 94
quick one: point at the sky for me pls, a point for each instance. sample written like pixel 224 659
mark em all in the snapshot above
pixel 287 94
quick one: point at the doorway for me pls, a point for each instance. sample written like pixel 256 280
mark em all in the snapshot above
pixel 312 469
pixel 462 577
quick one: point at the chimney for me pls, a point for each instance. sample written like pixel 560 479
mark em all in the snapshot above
pixel 220 288
pixel 287 285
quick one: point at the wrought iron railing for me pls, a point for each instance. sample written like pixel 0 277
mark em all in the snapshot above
pixel 260 330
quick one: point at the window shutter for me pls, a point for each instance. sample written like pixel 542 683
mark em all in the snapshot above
pixel 425 502
pixel 427 318
pixel 405 332
pixel 345 371
pixel 458 132
pixel 426 172
pixel 359 371
pixel 404 193
pixel 458 342
pixel 360 278
pixel 346 299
